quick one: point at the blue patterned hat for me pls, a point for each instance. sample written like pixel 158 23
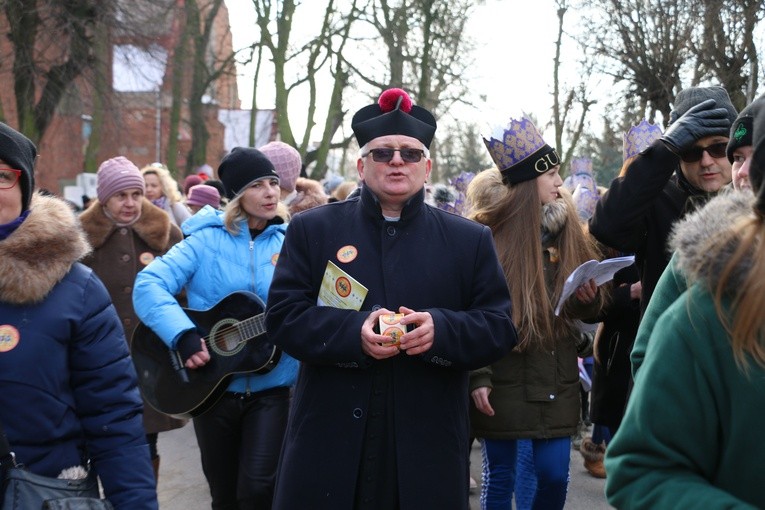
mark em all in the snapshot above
pixel 519 151
pixel 638 138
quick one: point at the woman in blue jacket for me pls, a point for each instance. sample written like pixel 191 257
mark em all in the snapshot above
pixel 226 251
pixel 69 393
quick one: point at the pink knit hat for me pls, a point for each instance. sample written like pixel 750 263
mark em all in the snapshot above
pixel 202 195
pixel 189 181
pixel 287 163
pixel 115 175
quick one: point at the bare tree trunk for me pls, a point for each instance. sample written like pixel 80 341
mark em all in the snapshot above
pixel 559 120
pixel 254 111
pixel 200 19
pixel 100 87
pixel 180 61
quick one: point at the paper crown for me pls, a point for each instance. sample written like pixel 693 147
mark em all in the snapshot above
pixel 638 138
pixel 461 183
pixel 580 180
pixel 585 200
pixel 519 151
pixel 393 114
pixel 581 166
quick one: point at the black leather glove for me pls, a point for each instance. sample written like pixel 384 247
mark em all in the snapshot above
pixel 698 122
pixel 584 344
pixel 189 344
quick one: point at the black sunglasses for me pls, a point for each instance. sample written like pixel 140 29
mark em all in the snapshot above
pixel 695 153
pixel 385 154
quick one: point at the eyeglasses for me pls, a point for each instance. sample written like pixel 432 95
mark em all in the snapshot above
pixel 9 177
pixel 385 154
pixel 716 150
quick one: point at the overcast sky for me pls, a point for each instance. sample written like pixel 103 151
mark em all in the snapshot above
pixel 515 42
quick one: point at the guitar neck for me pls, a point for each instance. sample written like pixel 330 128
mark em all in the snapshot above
pixel 252 327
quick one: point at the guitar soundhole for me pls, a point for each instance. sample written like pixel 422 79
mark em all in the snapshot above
pixel 225 338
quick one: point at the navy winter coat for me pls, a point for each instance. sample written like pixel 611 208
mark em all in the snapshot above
pixel 69 389
pixel 429 260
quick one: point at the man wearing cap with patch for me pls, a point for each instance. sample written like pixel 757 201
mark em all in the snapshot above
pixel 381 421
pixel 740 148
pixel 673 176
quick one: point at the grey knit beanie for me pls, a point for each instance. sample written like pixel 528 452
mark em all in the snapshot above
pixel 690 97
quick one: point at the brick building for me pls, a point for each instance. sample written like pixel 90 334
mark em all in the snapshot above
pixel 130 115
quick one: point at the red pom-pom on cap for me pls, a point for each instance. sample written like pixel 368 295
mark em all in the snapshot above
pixel 390 97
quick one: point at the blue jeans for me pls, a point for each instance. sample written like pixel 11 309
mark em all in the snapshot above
pixel 551 462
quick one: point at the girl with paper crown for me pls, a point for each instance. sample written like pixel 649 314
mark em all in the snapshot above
pixel 533 392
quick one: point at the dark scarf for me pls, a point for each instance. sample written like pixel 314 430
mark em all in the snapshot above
pixel 10 228
pixel 696 197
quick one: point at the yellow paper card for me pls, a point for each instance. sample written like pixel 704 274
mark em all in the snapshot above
pixel 340 290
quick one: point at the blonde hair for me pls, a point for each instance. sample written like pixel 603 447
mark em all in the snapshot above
pixel 166 182
pixel 344 189
pixel 310 194
pixel 745 321
pixel 234 214
pixel 514 214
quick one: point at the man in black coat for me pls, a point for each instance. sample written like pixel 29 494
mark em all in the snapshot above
pixel 379 421
pixel 673 176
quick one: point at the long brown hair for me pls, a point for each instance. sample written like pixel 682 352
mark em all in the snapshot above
pixel 514 215
pixel 745 322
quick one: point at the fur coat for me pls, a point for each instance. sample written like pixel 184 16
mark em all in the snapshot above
pixel 119 253
pixel 689 438
pixel 690 260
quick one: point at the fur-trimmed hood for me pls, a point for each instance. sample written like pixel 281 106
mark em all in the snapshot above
pixel 35 257
pixel 153 226
pixel 554 217
pixel 701 253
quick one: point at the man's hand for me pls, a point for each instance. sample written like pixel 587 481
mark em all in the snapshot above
pixel 481 400
pixel 420 339
pixel 373 344
pixel 698 122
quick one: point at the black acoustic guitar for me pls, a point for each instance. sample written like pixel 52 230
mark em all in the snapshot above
pixel 233 330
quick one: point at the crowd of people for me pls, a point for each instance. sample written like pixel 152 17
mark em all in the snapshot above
pixel 403 320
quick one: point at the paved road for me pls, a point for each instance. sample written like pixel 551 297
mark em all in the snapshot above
pixel 182 485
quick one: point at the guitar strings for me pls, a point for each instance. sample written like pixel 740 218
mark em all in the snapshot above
pixel 230 329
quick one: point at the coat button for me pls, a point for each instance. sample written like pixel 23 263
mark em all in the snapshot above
pixel 123 231
pixel 376 307
pixel 358 413
pixel 391 230
pixel 552 397
pixel 125 258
